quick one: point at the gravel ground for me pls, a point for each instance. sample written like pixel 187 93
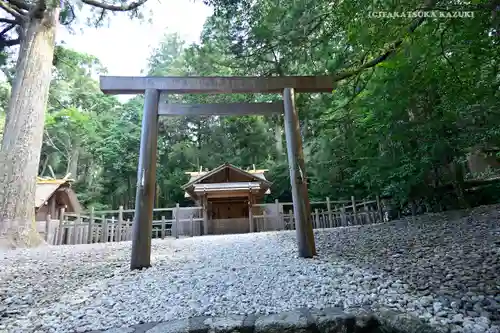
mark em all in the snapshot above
pixel 443 268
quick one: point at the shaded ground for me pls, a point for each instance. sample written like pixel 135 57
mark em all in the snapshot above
pixel 442 268
pixel 451 260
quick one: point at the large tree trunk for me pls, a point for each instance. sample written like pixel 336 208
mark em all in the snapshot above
pixel 44 166
pixel 278 134
pixel 23 135
pixel 72 167
pixel 2 124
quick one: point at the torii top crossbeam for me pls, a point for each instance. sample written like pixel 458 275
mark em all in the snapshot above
pixel 117 85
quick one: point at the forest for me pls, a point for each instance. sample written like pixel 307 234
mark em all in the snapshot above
pixel 401 127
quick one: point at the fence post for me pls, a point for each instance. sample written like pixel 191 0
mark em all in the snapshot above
pixel 334 216
pixel 120 224
pixel 163 222
pixel 76 228
pixel 278 216
pixel 113 229
pixel 379 209
pixel 60 235
pixel 343 217
pixel 177 219
pixel 264 220
pixel 205 216
pixel 47 227
pixel 90 236
pixel 104 226
pixel 192 225
pixel 250 214
pixel 129 231
pixel 329 208
pixel 316 219
pixel 292 219
pixel 366 212
pixel 354 211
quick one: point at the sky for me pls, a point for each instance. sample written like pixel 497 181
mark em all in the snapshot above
pixel 124 45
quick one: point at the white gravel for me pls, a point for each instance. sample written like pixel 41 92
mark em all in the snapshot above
pixel 89 287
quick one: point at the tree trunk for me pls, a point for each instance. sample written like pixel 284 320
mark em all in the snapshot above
pixel 2 124
pixel 44 166
pixel 458 184
pixel 89 174
pixel 23 135
pixel 278 134
pixel 72 166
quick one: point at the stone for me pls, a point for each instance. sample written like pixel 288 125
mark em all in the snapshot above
pixel 494 329
pixel 120 330
pixel 479 329
pixel 437 306
pixel 332 319
pixel 292 321
pixel 230 323
pixel 442 314
pixel 174 326
pixel 483 321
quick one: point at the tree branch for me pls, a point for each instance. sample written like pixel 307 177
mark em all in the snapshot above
pixel 8 21
pixel 357 90
pixel 115 8
pixel 6 29
pixel 9 42
pixel 443 53
pixel 51 143
pixel 389 51
pixel 18 15
pixel 101 18
pixel 20 4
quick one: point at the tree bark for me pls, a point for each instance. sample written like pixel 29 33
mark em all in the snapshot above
pixel 72 166
pixel 23 134
pixel 44 166
pixel 278 134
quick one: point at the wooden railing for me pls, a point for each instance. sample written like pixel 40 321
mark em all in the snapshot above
pixel 116 225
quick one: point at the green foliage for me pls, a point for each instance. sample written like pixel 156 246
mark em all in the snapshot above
pixel 401 129
pixel 4 101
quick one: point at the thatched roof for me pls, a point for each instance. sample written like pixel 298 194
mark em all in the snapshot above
pixel 46 188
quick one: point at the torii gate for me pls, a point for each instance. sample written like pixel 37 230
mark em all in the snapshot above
pixel 153 87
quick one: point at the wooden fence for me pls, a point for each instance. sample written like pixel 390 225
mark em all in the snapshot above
pixel 324 214
pixel 116 225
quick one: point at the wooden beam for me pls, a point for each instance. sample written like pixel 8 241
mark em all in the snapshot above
pixel 299 191
pixel 222 195
pixel 146 180
pixel 303 172
pixel 230 109
pixel 116 85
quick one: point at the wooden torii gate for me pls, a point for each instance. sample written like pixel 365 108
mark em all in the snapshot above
pixel 153 87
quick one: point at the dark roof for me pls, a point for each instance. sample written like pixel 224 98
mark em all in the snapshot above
pixel 204 175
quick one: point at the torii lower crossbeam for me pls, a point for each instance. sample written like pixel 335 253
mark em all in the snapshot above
pixel 152 87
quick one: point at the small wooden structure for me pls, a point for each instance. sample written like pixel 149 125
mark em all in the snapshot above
pixel 226 195
pixel 51 196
